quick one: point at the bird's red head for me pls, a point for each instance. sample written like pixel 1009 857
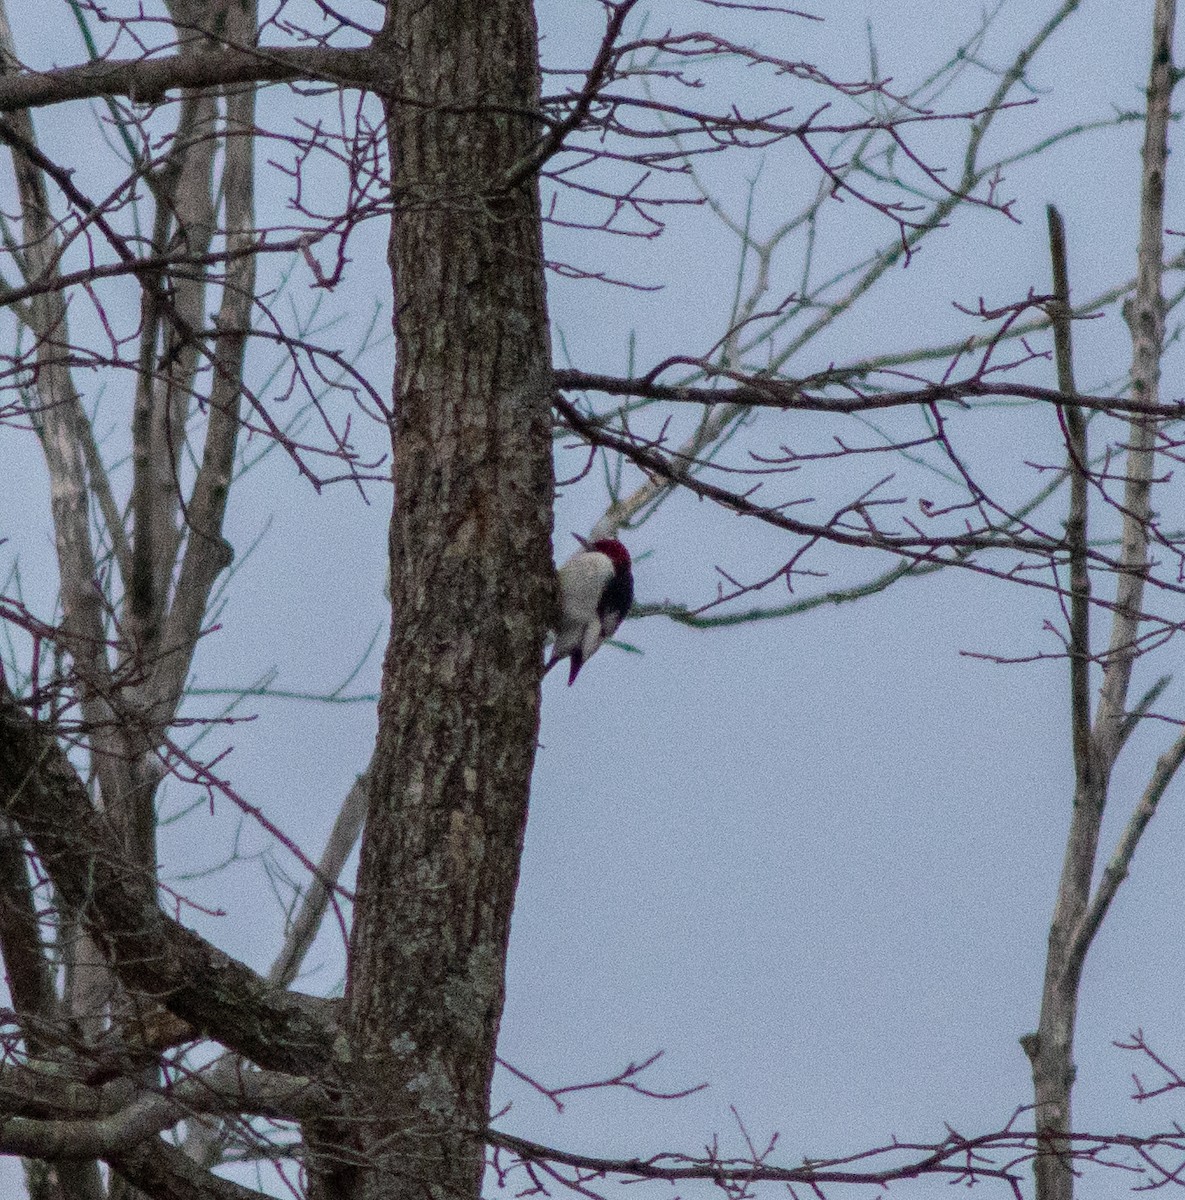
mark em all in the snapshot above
pixel 613 550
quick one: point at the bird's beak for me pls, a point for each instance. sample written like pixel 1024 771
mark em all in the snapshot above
pixel 583 541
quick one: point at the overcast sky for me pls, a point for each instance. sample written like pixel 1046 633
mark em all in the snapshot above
pixel 812 860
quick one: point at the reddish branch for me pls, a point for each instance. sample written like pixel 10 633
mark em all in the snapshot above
pixel 1003 1156
pixel 791 395
pixel 850 526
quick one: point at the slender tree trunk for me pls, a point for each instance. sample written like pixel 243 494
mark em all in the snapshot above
pixel 1077 914
pixel 471 586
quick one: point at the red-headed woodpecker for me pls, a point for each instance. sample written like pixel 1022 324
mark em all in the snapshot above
pixel 596 592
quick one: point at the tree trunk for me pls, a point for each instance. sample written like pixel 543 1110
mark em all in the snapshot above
pixel 471 589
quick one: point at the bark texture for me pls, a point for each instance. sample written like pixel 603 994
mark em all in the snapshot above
pixel 471 588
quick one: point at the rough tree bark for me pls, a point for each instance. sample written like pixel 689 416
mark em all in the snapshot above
pixel 471 590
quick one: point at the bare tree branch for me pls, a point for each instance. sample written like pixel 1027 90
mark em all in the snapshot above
pixel 165 1173
pixel 152 954
pixel 1117 868
pixel 26 968
pixel 148 80
pixel 798 396
pixel 1078 467
pixel 207 553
